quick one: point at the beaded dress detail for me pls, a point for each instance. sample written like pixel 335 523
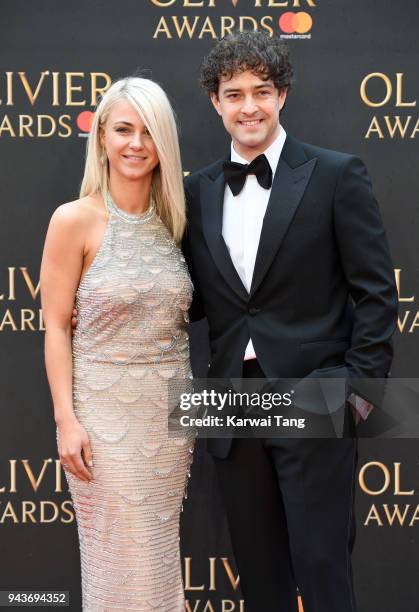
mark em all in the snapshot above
pixel 129 344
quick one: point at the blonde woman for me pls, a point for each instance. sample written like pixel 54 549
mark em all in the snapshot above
pixel 115 253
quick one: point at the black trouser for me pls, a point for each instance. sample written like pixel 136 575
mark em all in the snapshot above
pixel 289 505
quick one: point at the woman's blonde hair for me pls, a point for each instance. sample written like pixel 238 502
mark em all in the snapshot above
pixel 155 111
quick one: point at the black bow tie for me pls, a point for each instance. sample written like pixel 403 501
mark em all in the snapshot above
pixel 235 173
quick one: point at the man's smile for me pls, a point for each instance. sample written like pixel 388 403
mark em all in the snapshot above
pixel 251 123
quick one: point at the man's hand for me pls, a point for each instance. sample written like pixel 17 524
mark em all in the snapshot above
pixel 355 414
pixel 74 320
pixel 360 408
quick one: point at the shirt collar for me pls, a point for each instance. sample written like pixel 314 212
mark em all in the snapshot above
pixel 273 152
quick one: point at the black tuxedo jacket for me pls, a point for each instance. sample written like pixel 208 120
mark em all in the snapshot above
pixel 323 299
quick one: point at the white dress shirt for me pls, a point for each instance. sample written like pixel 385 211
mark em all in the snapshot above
pixel 243 218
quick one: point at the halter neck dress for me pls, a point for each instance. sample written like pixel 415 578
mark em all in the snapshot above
pixel 130 343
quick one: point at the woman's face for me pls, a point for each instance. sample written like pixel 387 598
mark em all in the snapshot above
pixel 129 147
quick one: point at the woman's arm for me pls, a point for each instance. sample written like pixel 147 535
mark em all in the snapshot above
pixel 61 267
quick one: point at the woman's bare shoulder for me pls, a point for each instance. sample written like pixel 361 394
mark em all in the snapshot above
pixel 78 213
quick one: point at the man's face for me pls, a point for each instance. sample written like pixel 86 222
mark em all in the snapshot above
pixel 249 108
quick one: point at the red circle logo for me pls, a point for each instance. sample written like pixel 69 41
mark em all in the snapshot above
pixel 295 23
pixel 84 121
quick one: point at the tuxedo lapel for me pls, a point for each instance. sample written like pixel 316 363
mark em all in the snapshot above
pixel 212 198
pixel 290 181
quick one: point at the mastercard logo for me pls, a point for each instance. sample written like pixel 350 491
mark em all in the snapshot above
pixel 295 23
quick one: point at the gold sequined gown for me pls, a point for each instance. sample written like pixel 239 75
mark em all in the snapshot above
pixel 130 343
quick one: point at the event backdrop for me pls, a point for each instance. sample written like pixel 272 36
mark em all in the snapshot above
pixel 356 90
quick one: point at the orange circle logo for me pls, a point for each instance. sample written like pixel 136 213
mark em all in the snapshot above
pixel 84 121
pixel 295 23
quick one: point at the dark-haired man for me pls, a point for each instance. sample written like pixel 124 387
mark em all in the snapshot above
pixel 292 269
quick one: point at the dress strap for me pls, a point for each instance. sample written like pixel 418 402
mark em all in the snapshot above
pixel 113 209
pixel 106 201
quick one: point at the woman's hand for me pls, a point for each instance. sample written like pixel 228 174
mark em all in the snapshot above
pixel 74 321
pixel 73 442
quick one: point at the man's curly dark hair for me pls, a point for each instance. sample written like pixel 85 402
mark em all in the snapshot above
pixel 240 51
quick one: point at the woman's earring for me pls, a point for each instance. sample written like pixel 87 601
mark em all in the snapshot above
pixel 103 157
